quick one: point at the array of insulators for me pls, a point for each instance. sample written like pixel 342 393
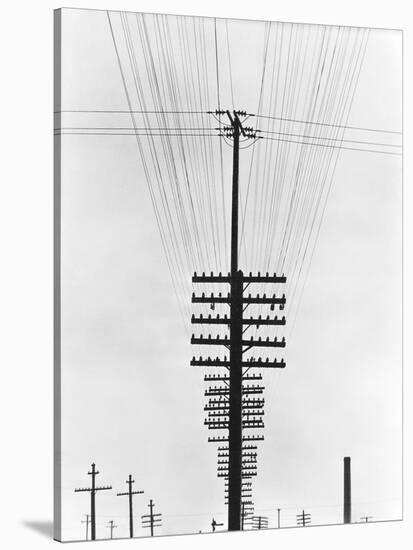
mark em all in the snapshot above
pixel 250 278
pixel 217 392
pixel 223 112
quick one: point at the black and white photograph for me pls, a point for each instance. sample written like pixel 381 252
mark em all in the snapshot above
pixel 228 275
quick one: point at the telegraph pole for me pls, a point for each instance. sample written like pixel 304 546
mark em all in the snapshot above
pixel 93 490
pixel 111 527
pixel 366 519
pixel 130 494
pixel 235 372
pixel 278 517
pixel 151 520
pixel 247 510
pixel 215 524
pixel 303 519
pixel 231 406
pixel 259 522
pixel 347 489
pixel 87 521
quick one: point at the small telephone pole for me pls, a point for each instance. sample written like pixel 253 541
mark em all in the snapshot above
pixel 130 494
pixel 151 520
pixel 214 525
pixel 259 522
pixel 93 490
pixel 278 518
pixel 247 510
pixel 303 519
pixel 366 519
pixel 347 489
pixel 111 527
pixel 87 521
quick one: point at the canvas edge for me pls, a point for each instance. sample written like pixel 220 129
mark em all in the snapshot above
pixel 57 466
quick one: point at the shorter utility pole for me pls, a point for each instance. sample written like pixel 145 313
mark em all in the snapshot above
pixel 151 520
pixel 278 517
pixel 92 490
pixel 247 510
pixel 214 525
pixel 303 519
pixel 347 490
pixel 111 527
pixel 87 521
pixel 366 519
pixel 259 522
pixel 130 494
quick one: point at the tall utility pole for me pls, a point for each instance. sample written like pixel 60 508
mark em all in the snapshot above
pixel 111 526
pixel 347 489
pixel 87 521
pixel 130 494
pixel 231 406
pixel 303 519
pixel 278 517
pixel 93 490
pixel 151 520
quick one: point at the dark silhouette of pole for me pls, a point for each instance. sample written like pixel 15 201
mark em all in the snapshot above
pixel 215 524
pixel 92 490
pixel 87 521
pixel 235 374
pixel 347 489
pixel 240 409
pixel 151 515
pixel 111 527
pixel 278 517
pixel 303 519
pixel 366 519
pixel 259 522
pixel 130 494
pixel 151 520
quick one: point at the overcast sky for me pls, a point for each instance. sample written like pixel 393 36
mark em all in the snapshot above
pixel 131 402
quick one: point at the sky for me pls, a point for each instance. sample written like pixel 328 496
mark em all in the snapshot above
pixel 130 401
